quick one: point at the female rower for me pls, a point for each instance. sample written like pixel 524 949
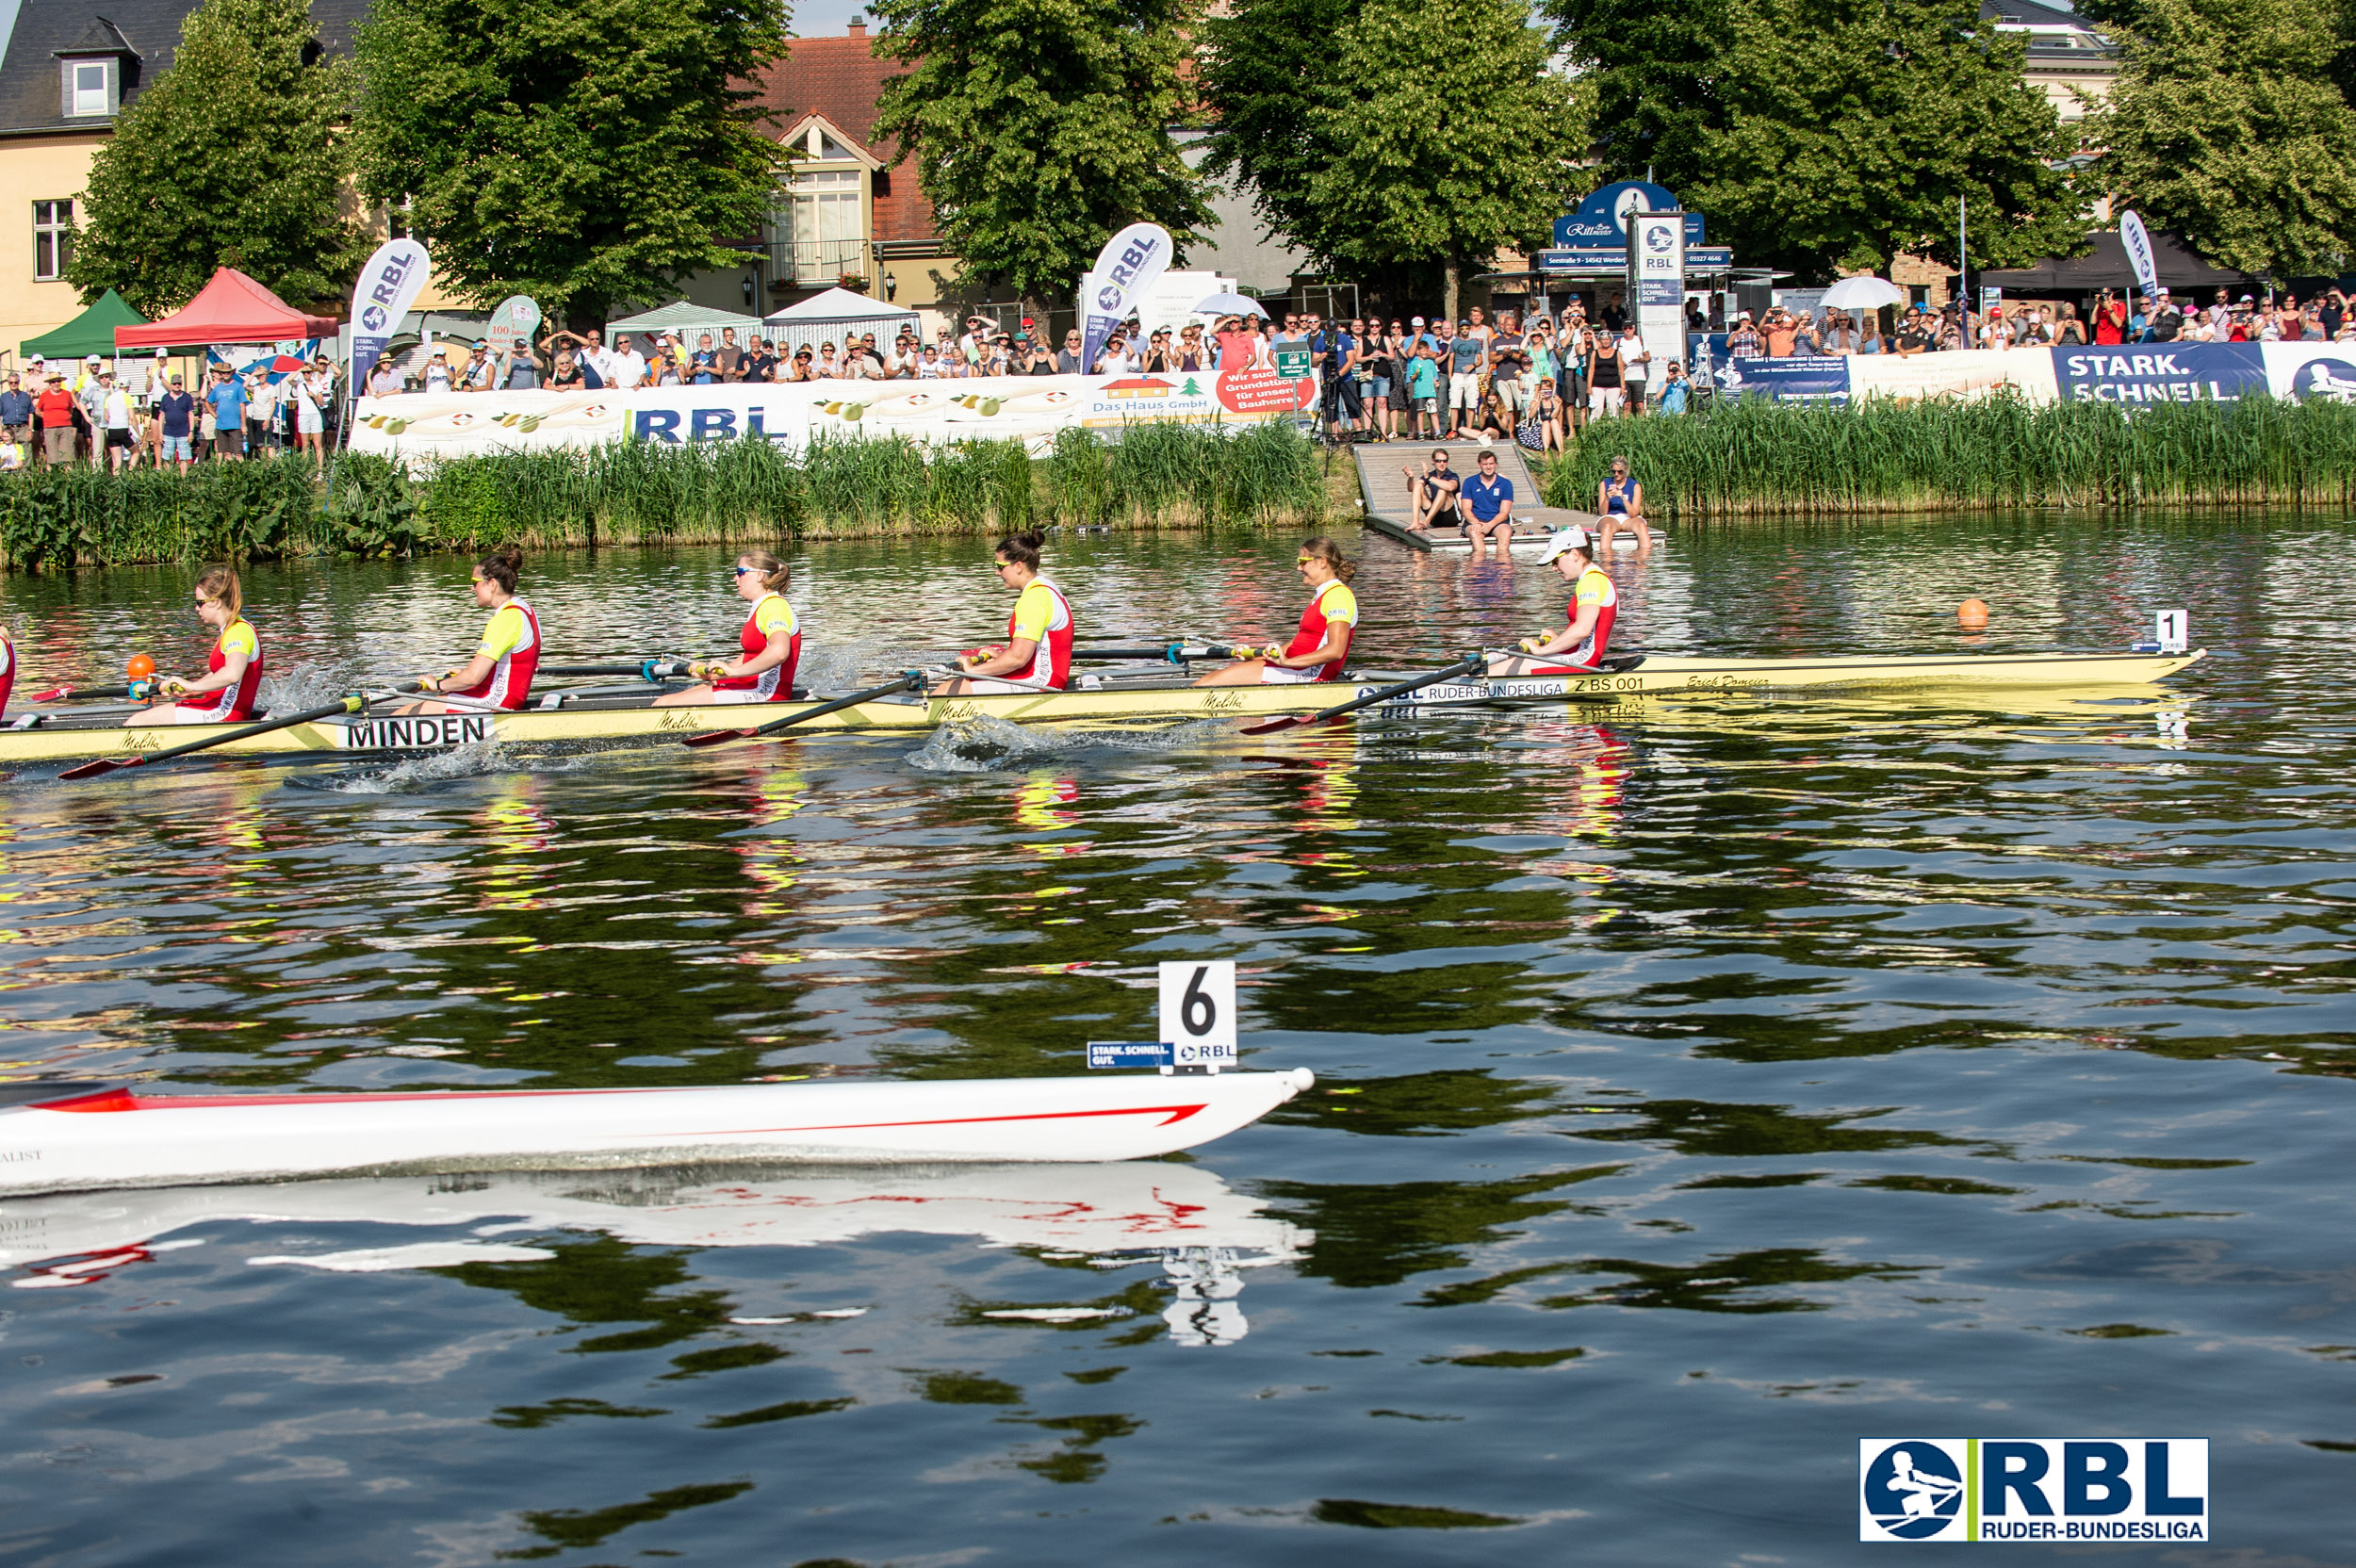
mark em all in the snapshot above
pixel 772 641
pixel 7 667
pixel 499 674
pixel 225 694
pixel 1318 648
pixel 1621 501
pixel 1037 655
pixel 1595 605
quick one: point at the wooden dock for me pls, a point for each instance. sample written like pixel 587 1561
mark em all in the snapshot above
pixel 1388 510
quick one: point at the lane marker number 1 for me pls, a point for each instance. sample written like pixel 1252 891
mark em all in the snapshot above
pixel 1199 1012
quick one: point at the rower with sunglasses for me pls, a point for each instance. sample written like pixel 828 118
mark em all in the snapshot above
pixel 1036 654
pixel 771 643
pixel 227 692
pixel 1321 645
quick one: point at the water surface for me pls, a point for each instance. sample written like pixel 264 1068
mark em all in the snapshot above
pixel 1702 1088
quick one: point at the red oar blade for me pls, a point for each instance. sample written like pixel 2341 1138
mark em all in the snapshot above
pixel 719 737
pixel 102 765
pixel 54 694
pixel 1272 727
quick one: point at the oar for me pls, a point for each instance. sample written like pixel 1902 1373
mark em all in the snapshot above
pixel 646 669
pixel 1466 665
pixel 907 680
pixel 137 687
pixel 105 765
pixel 1169 653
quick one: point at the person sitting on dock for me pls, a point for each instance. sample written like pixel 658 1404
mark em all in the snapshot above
pixel 1621 501
pixel 1432 493
pixel 1487 508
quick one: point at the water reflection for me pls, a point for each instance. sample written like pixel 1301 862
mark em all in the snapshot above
pixel 635 1264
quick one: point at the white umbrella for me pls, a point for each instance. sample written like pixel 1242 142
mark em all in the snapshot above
pixel 1229 304
pixel 1867 293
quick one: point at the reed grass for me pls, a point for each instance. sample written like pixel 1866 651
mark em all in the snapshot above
pixel 648 493
pixel 1756 458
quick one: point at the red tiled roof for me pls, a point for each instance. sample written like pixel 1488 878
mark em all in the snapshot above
pixel 839 78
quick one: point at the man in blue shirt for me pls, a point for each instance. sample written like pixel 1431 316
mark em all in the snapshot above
pixel 1487 508
pixel 16 418
pixel 177 412
pixel 1468 356
pixel 228 400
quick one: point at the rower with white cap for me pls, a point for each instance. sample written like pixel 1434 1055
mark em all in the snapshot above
pixel 1579 648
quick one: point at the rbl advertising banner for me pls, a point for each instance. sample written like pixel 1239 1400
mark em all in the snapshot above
pixel 2130 374
pixel 1031 409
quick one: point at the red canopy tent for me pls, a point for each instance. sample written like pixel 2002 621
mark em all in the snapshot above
pixel 232 309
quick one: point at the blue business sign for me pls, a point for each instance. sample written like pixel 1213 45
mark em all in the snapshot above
pixel 1797 379
pixel 2160 372
pixel 1601 221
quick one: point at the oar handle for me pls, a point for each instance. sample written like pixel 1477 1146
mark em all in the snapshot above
pixel 138 691
pixel 646 669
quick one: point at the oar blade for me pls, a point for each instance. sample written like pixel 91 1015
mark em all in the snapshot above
pixel 98 767
pixel 1272 727
pixel 719 737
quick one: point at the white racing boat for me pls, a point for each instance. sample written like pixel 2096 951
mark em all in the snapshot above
pixel 112 1137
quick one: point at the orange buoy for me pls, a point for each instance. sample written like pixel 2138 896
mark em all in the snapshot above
pixel 1971 613
pixel 140 667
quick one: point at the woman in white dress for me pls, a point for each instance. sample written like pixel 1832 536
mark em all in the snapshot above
pixel 310 425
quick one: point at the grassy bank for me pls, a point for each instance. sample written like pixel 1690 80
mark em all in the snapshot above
pixel 1160 475
pixel 1758 458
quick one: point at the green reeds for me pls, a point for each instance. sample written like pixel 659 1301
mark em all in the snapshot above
pixel 643 492
pixel 1754 457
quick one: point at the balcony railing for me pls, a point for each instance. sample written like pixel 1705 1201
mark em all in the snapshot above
pixel 817 261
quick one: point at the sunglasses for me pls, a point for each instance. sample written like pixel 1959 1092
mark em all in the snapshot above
pixel 744 571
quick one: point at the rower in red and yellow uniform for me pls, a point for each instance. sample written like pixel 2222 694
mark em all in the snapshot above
pixel 772 643
pixel 8 668
pixel 1579 648
pixel 227 692
pixel 499 674
pixel 1319 648
pixel 1037 655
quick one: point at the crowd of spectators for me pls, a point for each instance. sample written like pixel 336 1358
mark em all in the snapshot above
pixel 88 412
pixel 2111 318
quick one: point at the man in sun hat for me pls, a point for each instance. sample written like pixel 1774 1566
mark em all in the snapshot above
pixel 1579 648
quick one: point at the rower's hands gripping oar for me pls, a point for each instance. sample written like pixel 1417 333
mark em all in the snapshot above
pixel 105 765
pixel 907 680
pixel 1470 664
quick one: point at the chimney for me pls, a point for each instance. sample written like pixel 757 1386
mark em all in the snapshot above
pixel 858 27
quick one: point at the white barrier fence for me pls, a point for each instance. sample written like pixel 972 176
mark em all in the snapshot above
pixel 1032 409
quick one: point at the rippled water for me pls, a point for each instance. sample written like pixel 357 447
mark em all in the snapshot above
pixel 1702 1088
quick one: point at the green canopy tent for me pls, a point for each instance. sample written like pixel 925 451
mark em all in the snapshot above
pixel 90 332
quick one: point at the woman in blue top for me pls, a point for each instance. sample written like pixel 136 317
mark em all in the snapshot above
pixel 1621 501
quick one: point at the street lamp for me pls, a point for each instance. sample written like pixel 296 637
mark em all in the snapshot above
pixel 892 287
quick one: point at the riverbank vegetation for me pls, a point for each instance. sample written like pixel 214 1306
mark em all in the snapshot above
pixel 1157 475
pixel 1755 458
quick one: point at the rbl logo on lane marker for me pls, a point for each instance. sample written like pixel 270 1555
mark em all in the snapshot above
pixel 2086 1489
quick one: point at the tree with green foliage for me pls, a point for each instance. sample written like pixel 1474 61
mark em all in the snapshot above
pixel 234 157
pixel 1441 134
pixel 1041 128
pixel 589 154
pixel 1262 68
pixel 1823 135
pixel 2226 126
